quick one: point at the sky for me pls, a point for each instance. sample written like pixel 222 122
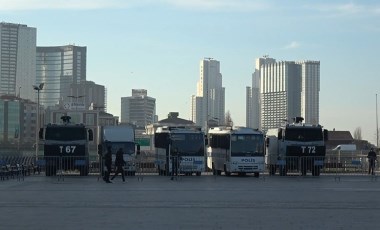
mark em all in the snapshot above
pixel 157 45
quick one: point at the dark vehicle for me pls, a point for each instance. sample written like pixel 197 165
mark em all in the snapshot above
pixel 297 146
pixel 66 147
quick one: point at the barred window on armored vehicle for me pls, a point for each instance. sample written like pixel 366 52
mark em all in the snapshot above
pixel 303 134
pixel 65 133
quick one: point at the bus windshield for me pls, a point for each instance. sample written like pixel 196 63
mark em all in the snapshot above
pixel 188 144
pixel 247 145
pixel 303 134
pixel 62 133
pixel 128 147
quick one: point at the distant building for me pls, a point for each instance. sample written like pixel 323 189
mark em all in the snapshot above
pixel 339 138
pixel 282 90
pixel 17 60
pixel 310 87
pixel 17 122
pixel 91 96
pixel 253 94
pixel 139 109
pixel 209 102
pixel 58 67
pixel 280 93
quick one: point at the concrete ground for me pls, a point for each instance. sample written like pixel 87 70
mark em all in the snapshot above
pixel 205 202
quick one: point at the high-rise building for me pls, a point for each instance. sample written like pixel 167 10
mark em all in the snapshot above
pixel 310 77
pixel 289 89
pixel 139 109
pixel 209 103
pixel 87 94
pixel 253 94
pixel 280 93
pixel 58 67
pixel 17 60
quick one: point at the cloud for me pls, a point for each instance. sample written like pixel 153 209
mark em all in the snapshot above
pixel 347 9
pixel 61 4
pixel 217 5
pixel 292 45
pixel 117 4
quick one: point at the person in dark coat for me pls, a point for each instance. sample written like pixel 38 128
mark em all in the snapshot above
pixel 119 163
pixel 175 162
pixel 371 160
pixel 108 165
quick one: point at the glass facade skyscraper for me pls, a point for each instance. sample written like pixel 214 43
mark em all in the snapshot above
pixel 17 60
pixel 58 68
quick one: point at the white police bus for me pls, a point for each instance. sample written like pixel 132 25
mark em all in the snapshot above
pixel 185 144
pixel 239 150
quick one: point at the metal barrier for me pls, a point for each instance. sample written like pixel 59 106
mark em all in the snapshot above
pixel 17 167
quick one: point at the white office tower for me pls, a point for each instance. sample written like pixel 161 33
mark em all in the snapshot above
pixel 58 67
pixel 253 95
pixel 209 103
pixel 17 60
pixel 310 78
pixel 280 93
pixel 139 109
pixel 288 89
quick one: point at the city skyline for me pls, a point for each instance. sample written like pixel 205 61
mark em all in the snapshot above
pixel 157 45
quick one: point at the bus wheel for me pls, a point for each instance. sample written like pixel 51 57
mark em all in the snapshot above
pixel 83 171
pixel 316 171
pixel 226 172
pixel 257 174
pixel 283 170
pixel 213 170
pixel 198 173
pixel 272 169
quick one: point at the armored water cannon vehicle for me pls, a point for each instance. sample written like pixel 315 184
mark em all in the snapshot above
pixel 296 146
pixel 66 146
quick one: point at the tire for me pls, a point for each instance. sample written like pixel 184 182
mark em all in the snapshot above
pixel 198 173
pixel 283 170
pixel 83 171
pixel 316 171
pixel 272 170
pixel 51 170
pixel 256 174
pixel 226 172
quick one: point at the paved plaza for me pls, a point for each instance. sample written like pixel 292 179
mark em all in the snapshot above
pixel 205 202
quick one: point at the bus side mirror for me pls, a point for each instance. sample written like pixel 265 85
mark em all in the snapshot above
pixel 90 135
pixel 325 135
pixel 41 133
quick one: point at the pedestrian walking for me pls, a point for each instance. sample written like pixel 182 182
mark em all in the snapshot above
pixel 119 164
pixel 371 161
pixel 175 162
pixel 108 165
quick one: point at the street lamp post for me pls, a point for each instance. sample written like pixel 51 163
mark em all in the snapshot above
pixel 38 89
pixel 377 127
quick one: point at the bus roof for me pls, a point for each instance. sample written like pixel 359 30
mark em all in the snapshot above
pixel 177 129
pixel 235 130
